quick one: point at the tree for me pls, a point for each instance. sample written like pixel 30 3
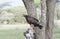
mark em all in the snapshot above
pixel 3 13
pixel 43 18
pixel 47 12
pixel 49 18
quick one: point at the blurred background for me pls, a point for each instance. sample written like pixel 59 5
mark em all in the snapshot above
pixel 13 24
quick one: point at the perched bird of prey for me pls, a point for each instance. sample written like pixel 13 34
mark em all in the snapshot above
pixel 32 20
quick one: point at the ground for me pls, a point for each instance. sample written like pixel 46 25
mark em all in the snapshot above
pixel 15 31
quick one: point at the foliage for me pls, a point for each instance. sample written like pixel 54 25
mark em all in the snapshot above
pixel 18 12
pixel 57 11
pixel 37 2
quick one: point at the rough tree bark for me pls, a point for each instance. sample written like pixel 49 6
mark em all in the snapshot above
pixel 43 18
pixel 30 7
pixel 49 18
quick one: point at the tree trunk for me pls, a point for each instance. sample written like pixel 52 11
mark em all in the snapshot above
pixel 31 10
pixel 43 19
pixel 49 18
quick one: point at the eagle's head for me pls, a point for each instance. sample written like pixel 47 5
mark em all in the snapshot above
pixel 26 16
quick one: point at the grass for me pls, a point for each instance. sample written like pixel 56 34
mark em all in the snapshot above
pixel 56 33
pixel 12 34
pixel 18 33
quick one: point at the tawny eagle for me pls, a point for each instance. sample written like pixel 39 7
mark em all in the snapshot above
pixel 32 20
